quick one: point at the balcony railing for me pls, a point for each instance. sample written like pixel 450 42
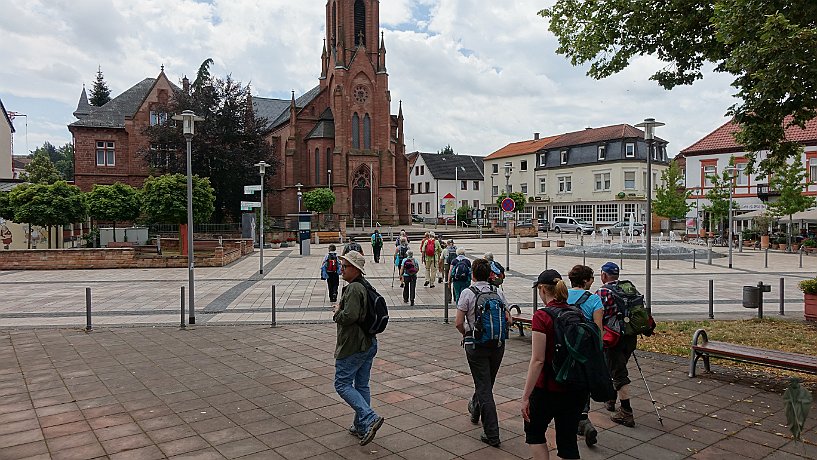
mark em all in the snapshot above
pixel 764 192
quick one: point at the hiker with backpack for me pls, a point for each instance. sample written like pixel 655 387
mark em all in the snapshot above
pixel 356 346
pixel 377 245
pixel 497 270
pixel 448 254
pixel 400 237
pixel 483 320
pixel 408 276
pixel 460 273
pixel 625 318
pixel 330 271
pixel 579 295
pixel 544 398
pixel 400 254
pixel 352 246
pixel 431 250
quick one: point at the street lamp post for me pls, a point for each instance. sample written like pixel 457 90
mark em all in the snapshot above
pixel 300 195
pixel 731 169
pixel 329 171
pixel 649 125
pixel 508 169
pixel 456 193
pixel 262 166
pixel 189 119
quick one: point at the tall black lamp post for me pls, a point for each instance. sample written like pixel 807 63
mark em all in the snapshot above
pixel 649 125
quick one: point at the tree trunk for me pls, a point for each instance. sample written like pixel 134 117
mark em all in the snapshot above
pixel 114 231
pixel 791 224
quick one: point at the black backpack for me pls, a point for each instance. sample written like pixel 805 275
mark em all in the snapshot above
pixel 377 313
pixel 462 270
pixel 402 250
pixel 578 358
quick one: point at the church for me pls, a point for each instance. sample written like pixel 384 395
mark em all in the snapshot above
pixel 340 135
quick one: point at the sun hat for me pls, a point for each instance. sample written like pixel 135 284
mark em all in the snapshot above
pixel 355 258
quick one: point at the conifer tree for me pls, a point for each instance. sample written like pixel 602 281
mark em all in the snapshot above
pixel 100 93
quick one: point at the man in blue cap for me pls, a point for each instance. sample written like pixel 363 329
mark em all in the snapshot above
pixel 618 354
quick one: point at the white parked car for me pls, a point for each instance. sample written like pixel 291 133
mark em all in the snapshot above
pixel 623 227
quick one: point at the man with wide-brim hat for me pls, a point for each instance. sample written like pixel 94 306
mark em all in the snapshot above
pixel 355 350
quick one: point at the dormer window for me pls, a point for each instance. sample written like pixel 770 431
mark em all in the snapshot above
pixel 563 157
pixel 542 159
pixel 629 150
pixel 602 152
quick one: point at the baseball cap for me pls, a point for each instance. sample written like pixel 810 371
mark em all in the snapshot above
pixel 549 277
pixel 610 268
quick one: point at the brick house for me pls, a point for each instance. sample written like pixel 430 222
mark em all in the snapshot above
pixel 340 134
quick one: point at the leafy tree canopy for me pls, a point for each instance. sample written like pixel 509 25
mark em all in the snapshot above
pixel 118 202
pixel 164 199
pixel 41 170
pixel 226 145
pixel 46 205
pixel 767 45
pixel 447 150
pixel 319 200
pixel 6 211
pixel 718 195
pixel 100 93
pixel 518 198
pixel 671 197
pixel 61 157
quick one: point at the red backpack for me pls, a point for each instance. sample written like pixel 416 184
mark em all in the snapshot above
pixel 332 263
pixel 430 247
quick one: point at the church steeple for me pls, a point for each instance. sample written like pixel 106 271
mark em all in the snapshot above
pixel 83 107
pixel 381 55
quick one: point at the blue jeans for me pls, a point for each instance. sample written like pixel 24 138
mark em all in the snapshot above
pixel 352 384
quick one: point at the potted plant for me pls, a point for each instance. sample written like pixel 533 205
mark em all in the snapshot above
pixel 276 243
pixel 810 244
pixel 762 224
pixel 809 288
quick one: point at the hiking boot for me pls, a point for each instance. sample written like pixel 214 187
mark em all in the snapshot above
pixel 491 442
pixel 367 438
pixel 412 303
pixel 474 413
pixel 353 431
pixel 405 300
pixel 425 284
pixel 440 280
pixel 624 417
pixel 610 406
pixel 589 432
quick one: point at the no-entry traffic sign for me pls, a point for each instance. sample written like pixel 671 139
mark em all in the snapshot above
pixel 508 205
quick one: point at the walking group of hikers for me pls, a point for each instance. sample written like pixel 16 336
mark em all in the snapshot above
pixel 581 341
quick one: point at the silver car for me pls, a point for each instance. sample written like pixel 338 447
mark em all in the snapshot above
pixel 623 227
pixel 571 225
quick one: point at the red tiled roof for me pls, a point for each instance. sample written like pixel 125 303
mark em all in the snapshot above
pixel 723 138
pixel 521 148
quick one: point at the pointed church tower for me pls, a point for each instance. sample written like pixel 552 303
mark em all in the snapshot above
pixel 83 107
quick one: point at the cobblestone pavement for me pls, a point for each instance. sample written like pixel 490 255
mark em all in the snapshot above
pixel 256 392
pixel 238 294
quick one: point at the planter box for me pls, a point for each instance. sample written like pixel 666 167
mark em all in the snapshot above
pixel 810 307
pixel 560 243
pixel 545 243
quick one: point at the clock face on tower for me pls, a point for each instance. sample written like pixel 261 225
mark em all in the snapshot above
pixel 361 94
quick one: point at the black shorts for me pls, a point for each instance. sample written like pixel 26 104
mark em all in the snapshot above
pixel 563 407
pixel 617 358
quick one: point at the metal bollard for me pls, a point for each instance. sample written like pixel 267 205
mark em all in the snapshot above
pixel 518 244
pixel 711 299
pixel 535 298
pixel 658 260
pixel 87 309
pixel 273 322
pixel 182 325
pixel 582 239
pixel 694 254
pixel 584 257
pixel 445 317
pixel 546 259
pixel 621 259
pixel 740 242
pixel 801 256
pixel 709 253
pixel 766 260
pixel 782 302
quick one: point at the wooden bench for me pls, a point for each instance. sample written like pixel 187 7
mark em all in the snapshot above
pixel 702 347
pixel 519 319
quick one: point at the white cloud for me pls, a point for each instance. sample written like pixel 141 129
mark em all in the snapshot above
pixel 471 73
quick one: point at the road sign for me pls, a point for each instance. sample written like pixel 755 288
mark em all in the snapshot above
pixel 508 215
pixel 508 205
pixel 250 189
pixel 249 205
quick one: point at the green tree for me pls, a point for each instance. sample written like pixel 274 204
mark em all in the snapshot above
pixel 164 199
pixel 100 93
pixel 718 196
pixel 790 181
pixel 671 197
pixel 756 41
pixel 65 161
pixel 117 202
pixel 226 146
pixel 462 214
pixel 518 198
pixel 48 205
pixel 319 200
pixel 447 150
pixel 6 211
pixel 41 170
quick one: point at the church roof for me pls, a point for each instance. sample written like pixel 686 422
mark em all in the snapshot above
pixel 83 107
pixel 443 167
pixel 276 111
pixel 113 114
pixel 325 128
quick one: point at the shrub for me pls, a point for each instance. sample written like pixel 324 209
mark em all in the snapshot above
pixel 810 243
pixel 808 286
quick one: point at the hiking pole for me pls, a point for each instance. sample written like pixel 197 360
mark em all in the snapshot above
pixel 660 420
pixel 393 270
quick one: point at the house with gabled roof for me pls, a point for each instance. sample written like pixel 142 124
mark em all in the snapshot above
pixel 6 148
pixel 441 183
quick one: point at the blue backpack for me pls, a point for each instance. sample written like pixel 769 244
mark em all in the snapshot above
pixel 462 270
pixel 491 325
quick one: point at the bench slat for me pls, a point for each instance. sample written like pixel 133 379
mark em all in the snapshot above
pixel 775 358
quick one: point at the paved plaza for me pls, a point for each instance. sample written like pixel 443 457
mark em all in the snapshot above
pixel 257 392
pixel 238 294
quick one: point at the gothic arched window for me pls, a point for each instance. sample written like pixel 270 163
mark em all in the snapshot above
pixel 360 23
pixel 318 166
pixel 334 24
pixel 367 132
pixel 355 131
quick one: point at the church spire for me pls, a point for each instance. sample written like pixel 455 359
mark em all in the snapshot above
pixel 324 61
pixel 381 55
pixel 83 107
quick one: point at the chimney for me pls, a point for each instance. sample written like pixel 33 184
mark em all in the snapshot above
pixel 588 128
pixel 186 85
pixel 536 136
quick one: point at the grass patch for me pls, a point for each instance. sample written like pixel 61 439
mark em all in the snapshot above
pixel 675 338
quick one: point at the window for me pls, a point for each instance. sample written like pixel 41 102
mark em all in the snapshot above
pixel 565 184
pixel 416 170
pixel 813 170
pixel 157 118
pixel 524 188
pixel 630 212
pixel 510 189
pixel 542 159
pixel 423 171
pixel 494 190
pixel 463 185
pixel 355 131
pixel 629 150
pixel 602 152
pixel 709 171
pixel 607 213
pixel 476 185
pixel 428 187
pixel 476 204
pixel 742 178
pixel 428 207
pixel 583 212
pixel 561 211
pixel 602 181
pixel 543 185
pixel 644 181
pixel 367 132
pixel 563 157
pixel 412 208
pixel 105 153
pixel 523 165
pixel 318 173
pixel 360 23
pixel 655 180
pixel 495 168
pixel 464 203
pixel 629 180
pixel 412 189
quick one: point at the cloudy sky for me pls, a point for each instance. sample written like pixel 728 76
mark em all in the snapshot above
pixel 473 74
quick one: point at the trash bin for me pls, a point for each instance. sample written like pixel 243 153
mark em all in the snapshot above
pixel 751 297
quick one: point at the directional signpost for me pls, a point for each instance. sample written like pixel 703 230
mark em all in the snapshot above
pixel 250 205
pixel 508 205
pixel 250 189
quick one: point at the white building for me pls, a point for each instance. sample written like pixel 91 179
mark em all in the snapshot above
pixel 6 131
pixel 442 183
pixel 710 155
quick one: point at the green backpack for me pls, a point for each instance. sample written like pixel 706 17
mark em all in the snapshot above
pixel 632 317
